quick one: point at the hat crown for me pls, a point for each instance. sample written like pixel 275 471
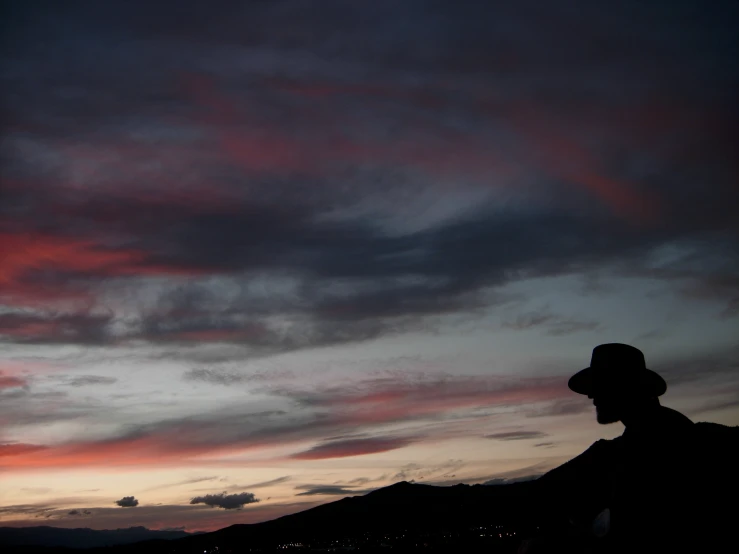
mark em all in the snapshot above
pixel 617 366
pixel 617 356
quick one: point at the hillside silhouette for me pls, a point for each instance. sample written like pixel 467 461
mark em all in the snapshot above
pixel 47 536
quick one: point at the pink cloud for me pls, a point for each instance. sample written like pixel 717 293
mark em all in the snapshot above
pixel 23 253
pixel 9 381
pixel 17 449
pixel 559 154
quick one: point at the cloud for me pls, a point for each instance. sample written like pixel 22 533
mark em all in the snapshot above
pixel 85 380
pixel 346 208
pixel 77 328
pixel 35 510
pixel 517 435
pixel 15 449
pixel 717 404
pixel 264 484
pixel 706 367
pixel 327 490
pixel 509 481
pixel 127 502
pixel 185 482
pixel 226 501
pixel 561 408
pixel 555 325
pixel 37 490
pixel 11 382
pixel 356 447
pixel 418 472
pixel 324 410
pixel 79 513
pixel 226 378
pixel 375 299
pixel 363 480
pixel 545 444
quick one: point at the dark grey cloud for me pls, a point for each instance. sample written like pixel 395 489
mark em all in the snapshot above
pixel 229 377
pixel 214 376
pixel 545 444
pixel 508 481
pixel 406 292
pixel 448 275
pixel 353 447
pixel 572 406
pixel 226 501
pixel 34 510
pixel 263 484
pixel 552 324
pixel 718 404
pixel 418 472
pixel 79 513
pixel 358 481
pixel 708 367
pixel 127 502
pixel 329 490
pixel 517 435
pixel 85 380
pixel 41 328
pixel 36 490
pixel 185 482
pixel 25 407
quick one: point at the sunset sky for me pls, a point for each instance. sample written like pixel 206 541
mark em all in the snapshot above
pixel 290 251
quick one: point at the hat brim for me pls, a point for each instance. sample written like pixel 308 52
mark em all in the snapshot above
pixel 646 379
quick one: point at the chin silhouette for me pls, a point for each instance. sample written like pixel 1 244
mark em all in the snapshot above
pixel 605 416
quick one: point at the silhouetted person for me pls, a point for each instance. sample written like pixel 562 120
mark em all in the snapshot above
pixel 657 487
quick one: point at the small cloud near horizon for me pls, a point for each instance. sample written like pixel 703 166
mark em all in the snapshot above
pixel 226 501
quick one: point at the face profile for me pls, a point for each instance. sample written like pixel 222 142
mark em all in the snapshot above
pixel 610 405
pixel 606 410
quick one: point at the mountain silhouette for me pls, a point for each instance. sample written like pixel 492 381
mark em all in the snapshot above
pixel 46 536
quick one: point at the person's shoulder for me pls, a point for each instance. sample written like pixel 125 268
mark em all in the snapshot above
pixel 673 417
pixel 590 460
pixel 600 447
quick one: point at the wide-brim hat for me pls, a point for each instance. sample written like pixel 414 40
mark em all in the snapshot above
pixel 620 366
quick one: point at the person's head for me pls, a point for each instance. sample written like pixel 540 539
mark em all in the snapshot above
pixel 618 382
